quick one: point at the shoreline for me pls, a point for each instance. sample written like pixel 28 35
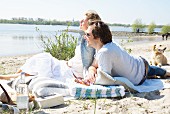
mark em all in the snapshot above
pixel 124 33
pixel 22 55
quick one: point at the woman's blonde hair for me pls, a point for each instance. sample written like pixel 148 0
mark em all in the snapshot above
pixel 92 15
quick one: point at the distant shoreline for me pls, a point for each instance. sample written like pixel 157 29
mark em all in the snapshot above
pixel 124 33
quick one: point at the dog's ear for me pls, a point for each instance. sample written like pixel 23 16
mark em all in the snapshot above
pixel 164 49
pixel 153 48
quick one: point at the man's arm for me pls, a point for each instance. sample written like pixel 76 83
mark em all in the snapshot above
pixel 92 72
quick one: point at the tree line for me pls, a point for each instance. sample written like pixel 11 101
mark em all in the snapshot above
pixel 41 21
pixel 38 21
pixel 137 25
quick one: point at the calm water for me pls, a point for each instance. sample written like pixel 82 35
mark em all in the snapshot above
pixel 18 39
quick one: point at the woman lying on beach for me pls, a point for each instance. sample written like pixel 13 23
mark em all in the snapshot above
pixel 45 65
pixel 114 60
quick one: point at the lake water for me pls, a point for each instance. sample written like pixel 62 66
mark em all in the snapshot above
pixel 20 39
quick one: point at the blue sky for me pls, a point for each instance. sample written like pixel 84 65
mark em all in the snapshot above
pixel 111 11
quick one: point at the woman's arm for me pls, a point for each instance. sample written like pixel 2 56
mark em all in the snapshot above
pixel 18 73
pixel 9 76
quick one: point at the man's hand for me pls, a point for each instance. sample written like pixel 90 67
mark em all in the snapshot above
pixel 91 77
pixel 92 72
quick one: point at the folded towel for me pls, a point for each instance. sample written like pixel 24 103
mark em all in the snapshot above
pixel 96 91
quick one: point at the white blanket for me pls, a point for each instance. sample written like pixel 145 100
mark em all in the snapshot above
pixel 149 84
pixel 152 85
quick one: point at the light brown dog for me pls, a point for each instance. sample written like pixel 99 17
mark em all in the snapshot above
pixel 158 57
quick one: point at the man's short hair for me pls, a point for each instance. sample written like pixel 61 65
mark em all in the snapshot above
pixel 102 31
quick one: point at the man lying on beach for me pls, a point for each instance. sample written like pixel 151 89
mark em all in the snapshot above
pixel 114 60
pixel 46 65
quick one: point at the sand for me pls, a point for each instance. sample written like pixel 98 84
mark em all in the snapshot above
pixel 156 102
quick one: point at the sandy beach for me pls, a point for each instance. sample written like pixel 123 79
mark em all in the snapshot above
pixel 156 102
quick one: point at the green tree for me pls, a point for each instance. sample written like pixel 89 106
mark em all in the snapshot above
pixel 165 29
pixel 151 28
pixel 137 26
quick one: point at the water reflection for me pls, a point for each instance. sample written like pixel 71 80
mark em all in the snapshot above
pixel 22 37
